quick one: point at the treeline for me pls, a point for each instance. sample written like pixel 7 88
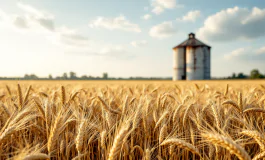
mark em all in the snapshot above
pixel 73 76
pixel 254 74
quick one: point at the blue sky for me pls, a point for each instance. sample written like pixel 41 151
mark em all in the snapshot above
pixel 127 38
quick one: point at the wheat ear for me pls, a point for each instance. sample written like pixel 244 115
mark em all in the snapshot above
pixel 36 156
pixel 226 89
pixel 108 107
pixel 39 107
pixel 53 133
pixel 163 133
pixel 20 98
pixel 8 90
pixel 239 101
pixel 103 138
pixel 254 110
pixel 160 120
pixel 182 144
pixel 228 144
pixel 62 95
pixel 117 144
pixel 259 138
pixel 232 103
pixel 26 96
pixel 80 137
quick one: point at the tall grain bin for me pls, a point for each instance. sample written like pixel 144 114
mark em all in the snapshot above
pixel 192 60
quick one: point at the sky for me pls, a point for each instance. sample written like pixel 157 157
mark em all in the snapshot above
pixel 127 38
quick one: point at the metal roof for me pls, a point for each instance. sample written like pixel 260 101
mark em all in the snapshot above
pixel 191 42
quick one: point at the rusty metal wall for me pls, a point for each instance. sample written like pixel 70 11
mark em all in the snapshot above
pixel 207 63
pixel 198 64
pixel 178 63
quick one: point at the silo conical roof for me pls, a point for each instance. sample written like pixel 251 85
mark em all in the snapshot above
pixel 191 42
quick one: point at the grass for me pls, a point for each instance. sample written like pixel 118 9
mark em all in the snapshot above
pixel 132 120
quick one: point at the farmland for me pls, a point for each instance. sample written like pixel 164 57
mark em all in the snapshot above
pixel 132 120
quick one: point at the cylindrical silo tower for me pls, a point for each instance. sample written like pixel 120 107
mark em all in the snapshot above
pixel 179 64
pixel 191 60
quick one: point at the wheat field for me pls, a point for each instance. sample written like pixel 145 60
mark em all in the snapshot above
pixel 132 120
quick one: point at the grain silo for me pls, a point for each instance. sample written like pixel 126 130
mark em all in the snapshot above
pixel 192 60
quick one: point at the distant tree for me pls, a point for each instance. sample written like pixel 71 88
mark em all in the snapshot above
pixel 84 77
pixel 233 76
pixel 31 76
pixel 105 75
pixel 73 75
pixel 65 76
pixel 50 76
pixel 58 77
pixel 241 76
pixel 255 74
pixel 26 76
pixel 90 77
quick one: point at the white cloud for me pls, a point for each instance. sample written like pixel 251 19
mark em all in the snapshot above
pixel 34 24
pixel 34 21
pixel 35 16
pixel 117 23
pixel 236 53
pixel 71 37
pixel 34 11
pixel 112 50
pixel 191 16
pixel 234 23
pixel 159 6
pixel 158 10
pixel 81 45
pixel 261 50
pixel 20 22
pixel 147 17
pixel 139 43
pixel 162 30
pixel 246 54
pixel 2 15
pixel 30 19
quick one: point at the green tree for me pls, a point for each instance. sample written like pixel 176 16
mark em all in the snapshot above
pixel 255 74
pixel 84 77
pixel 241 76
pixel 73 75
pixel 65 76
pixel 26 76
pixel 233 75
pixel 105 75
